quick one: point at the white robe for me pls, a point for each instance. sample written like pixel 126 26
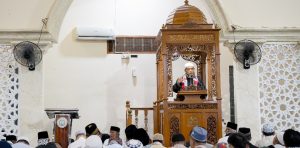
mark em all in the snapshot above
pixel 79 143
pixel 265 141
pixel 93 141
pixel 223 140
pixel 106 143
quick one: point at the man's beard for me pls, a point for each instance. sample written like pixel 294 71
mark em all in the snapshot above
pixel 190 75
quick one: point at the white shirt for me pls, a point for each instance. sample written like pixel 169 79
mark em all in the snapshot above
pixel 156 145
pixel 179 146
pixel 93 141
pixel 206 145
pixel 265 141
pixel 79 143
pixel 106 143
pixel 223 139
pixel 278 146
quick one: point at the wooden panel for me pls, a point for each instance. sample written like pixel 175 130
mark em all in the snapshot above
pixel 61 129
pixel 187 38
pixel 174 124
pixel 190 120
pixel 211 124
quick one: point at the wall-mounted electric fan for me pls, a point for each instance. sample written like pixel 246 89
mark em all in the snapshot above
pixel 247 52
pixel 28 54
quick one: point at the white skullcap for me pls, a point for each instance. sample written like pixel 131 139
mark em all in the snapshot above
pixel 115 145
pixel 132 143
pixel 23 138
pixel 158 136
pixel 188 65
pixel 20 145
pixel 80 132
pixel 93 141
pixel 280 137
pixel 268 128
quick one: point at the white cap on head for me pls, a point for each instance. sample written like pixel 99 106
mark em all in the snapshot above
pixel 280 137
pixel 189 65
pixel 268 128
pixel 158 136
pixel 115 145
pixel 23 138
pixel 80 132
pixel 132 143
pixel 20 145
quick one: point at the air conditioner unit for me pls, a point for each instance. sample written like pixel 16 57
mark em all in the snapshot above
pixel 94 33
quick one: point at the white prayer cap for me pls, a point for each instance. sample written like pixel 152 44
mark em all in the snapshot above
pixel 93 141
pixel 158 136
pixel 20 145
pixel 80 132
pixel 268 128
pixel 23 138
pixel 189 65
pixel 133 144
pixel 115 145
pixel 280 137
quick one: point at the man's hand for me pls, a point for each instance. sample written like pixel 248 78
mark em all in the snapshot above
pixel 179 80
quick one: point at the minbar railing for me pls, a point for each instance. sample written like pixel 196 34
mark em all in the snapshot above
pixel 136 110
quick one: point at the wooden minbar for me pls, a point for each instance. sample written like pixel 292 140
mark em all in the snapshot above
pixel 62 124
pixel 188 35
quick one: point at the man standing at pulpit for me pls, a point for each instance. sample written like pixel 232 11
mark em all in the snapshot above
pixel 189 79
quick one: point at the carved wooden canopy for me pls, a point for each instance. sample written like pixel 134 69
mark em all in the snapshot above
pixel 193 42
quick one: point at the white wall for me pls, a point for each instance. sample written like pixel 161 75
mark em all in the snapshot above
pixel 23 15
pixel 32 118
pixel 262 13
pixel 246 96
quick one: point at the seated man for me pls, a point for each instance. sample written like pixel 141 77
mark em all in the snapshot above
pixel 178 141
pixel 80 140
pixel 291 138
pixel 237 140
pixel 230 129
pixel 198 138
pixel 158 141
pixel 189 79
pixel 268 134
pixel 246 132
pixel 114 137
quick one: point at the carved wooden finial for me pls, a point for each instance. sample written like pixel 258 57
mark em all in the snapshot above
pixel 186 2
pixel 128 104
